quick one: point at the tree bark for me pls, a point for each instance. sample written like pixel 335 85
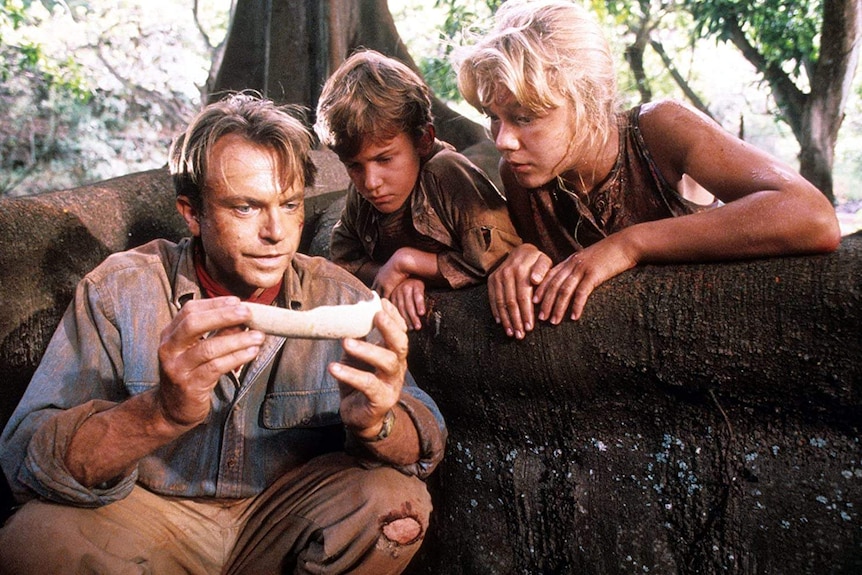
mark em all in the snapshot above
pixel 286 49
pixel 698 419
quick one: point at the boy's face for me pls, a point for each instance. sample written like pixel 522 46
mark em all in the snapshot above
pixel 384 172
pixel 249 226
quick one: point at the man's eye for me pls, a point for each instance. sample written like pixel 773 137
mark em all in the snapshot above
pixel 524 119
pixel 244 209
pixel 291 207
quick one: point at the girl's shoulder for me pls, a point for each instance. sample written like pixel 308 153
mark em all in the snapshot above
pixel 671 117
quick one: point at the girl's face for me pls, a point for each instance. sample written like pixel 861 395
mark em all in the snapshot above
pixel 537 147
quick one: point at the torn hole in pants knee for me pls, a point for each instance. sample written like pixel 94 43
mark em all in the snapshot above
pixel 403 531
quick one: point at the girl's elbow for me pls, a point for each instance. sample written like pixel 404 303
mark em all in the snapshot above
pixel 827 235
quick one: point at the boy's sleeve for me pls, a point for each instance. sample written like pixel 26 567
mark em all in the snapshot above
pixel 476 215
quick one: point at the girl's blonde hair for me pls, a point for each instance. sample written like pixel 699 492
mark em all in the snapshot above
pixel 547 53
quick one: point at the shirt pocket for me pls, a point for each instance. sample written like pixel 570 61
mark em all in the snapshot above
pixel 291 409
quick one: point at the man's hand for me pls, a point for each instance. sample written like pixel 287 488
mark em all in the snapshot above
pixel 511 287
pixel 204 341
pixel 366 396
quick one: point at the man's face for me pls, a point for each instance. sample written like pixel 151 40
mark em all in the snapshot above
pixel 249 226
pixel 384 172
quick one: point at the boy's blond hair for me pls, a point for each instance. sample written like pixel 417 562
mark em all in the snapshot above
pixel 371 97
pixel 547 53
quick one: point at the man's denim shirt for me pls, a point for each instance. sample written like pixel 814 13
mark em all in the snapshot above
pixel 282 412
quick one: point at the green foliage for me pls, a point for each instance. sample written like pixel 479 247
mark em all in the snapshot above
pixel 93 89
pixel 21 55
pixel 461 17
pixel 785 33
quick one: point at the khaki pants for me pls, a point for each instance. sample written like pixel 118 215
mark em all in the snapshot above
pixel 328 516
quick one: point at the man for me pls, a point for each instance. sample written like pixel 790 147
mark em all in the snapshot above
pixel 161 435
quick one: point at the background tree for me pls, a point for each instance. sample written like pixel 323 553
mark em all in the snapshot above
pixel 286 49
pixel 643 20
pixel 809 81
pixel 93 89
pixel 97 87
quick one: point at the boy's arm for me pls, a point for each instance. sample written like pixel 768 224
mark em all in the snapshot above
pixel 476 216
pixel 406 263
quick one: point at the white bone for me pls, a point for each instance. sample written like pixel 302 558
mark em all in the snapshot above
pixel 324 322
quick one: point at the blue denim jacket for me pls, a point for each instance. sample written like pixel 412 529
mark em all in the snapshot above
pixel 282 412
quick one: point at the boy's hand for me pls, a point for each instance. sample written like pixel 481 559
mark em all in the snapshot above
pixel 409 298
pixel 390 275
pixel 367 396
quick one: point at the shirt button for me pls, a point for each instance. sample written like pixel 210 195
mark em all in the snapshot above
pixel 368 238
pixel 231 463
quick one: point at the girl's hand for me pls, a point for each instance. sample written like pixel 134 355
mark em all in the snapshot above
pixel 570 283
pixel 511 286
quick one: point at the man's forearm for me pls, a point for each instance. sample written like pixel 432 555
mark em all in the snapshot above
pixel 110 443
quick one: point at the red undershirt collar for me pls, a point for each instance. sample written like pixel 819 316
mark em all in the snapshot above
pixel 213 288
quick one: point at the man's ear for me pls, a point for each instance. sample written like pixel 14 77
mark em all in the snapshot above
pixel 426 140
pixel 189 214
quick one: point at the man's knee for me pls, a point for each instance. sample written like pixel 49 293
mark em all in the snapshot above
pixel 403 504
pixel 403 531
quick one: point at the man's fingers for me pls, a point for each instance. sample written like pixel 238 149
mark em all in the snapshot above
pixel 220 354
pixel 198 318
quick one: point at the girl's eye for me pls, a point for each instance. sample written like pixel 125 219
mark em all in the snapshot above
pixel 523 120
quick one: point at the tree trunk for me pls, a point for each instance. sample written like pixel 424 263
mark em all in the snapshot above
pixel 698 419
pixel 278 48
pixel 286 49
pixel 830 88
pixel 815 117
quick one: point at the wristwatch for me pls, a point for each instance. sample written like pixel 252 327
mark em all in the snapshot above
pixel 386 429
